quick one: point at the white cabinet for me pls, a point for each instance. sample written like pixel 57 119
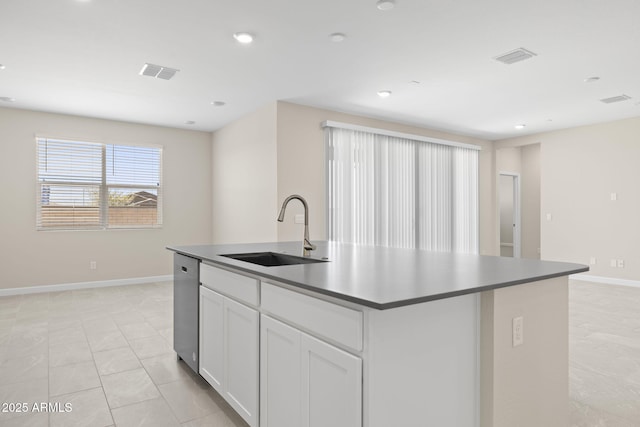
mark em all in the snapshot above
pixel 280 375
pixel 237 286
pixel 303 380
pixel 306 382
pixel 212 338
pixel 241 361
pixel 229 354
pixel 331 322
pixel 331 385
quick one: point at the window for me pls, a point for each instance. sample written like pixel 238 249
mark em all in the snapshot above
pixel 86 186
pixel 397 190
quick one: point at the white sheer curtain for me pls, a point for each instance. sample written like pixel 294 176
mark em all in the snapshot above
pixel 399 192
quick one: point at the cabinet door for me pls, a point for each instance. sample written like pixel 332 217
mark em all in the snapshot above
pixel 331 385
pixel 212 337
pixel 280 399
pixel 241 329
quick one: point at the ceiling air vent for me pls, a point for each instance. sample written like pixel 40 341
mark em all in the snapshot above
pixel 615 99
pixel 158 71
pixel 515 56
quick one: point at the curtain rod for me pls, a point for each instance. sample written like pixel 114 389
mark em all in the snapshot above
pixel 339 125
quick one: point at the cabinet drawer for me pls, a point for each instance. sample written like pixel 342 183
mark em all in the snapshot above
pixel 231 284
pixel 330 321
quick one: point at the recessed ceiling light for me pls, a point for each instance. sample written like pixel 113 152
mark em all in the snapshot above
pixel 384 93
pixel 2 66
pixel 218 103
pixel 244 38
pixel 337 37
pixel 520 126
pixel 591 79
pixel 414 82
pixel 189 122
pixel 7 99
pixel 385 4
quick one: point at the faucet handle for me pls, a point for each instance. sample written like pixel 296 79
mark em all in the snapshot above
pixel 307 247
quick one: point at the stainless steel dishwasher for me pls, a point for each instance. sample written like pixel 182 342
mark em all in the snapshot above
pixel 185 308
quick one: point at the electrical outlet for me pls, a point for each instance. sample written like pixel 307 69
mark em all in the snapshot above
pixel 620 263
pixel 518 331
pixel 93 265
pixel 613 263
pixel 593 260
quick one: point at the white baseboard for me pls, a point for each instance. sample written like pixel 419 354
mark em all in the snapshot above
pixel 84 285
pixel 607 280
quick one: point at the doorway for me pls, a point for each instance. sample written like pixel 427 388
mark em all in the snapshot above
pixel 509 205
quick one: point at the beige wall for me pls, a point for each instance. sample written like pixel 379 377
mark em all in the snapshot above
pixel 29 257
pixel 301 167
pixel 530 202
pixel 527 385
pixel 580 168
pixel 244 192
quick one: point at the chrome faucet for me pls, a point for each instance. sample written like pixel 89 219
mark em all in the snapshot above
pixel 307 246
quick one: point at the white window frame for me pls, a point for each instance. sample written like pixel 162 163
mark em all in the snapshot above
pixel 103 187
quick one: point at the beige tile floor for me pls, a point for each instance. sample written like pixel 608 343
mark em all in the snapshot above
pixel 604 355
pixel 107 353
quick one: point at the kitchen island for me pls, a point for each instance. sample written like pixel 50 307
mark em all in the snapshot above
pixel 371 336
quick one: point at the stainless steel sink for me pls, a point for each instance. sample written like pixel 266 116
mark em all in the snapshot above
pixel 272 259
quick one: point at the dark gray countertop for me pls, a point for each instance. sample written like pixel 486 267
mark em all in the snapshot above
pixel 384 278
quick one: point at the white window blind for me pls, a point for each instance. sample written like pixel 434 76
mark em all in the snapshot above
pixel 85 185
pixel 390 190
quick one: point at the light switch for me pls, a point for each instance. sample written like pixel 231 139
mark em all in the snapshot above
pixel 593 260
pixel 548 217
pixel 613 263
pixel 614 196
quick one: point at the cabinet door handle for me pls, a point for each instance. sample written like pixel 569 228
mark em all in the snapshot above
pixel 184 269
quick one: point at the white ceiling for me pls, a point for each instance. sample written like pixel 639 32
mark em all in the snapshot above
pixel 83 57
